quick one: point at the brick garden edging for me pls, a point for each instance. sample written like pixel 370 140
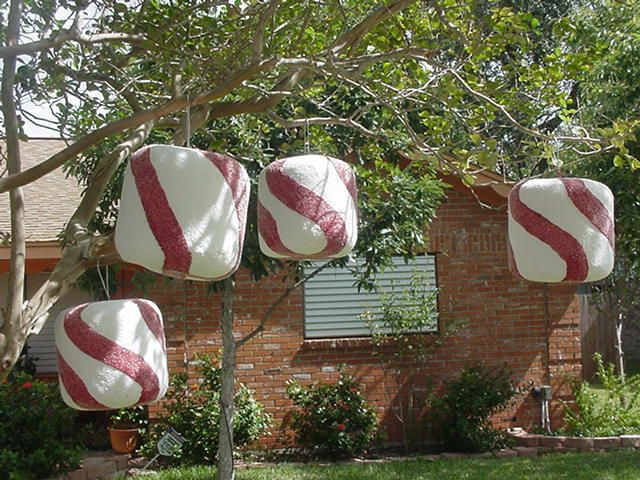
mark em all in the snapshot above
pixel 546 443
pixel 106 465
pixel 99 466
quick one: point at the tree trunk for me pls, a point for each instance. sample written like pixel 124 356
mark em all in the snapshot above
pixel 619 351
pixel 12 336
pixel 225 439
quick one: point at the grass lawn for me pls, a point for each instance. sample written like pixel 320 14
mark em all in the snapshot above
pixel 574 466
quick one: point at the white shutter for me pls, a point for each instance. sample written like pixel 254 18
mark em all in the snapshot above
pixel 333 305
pixel 42 347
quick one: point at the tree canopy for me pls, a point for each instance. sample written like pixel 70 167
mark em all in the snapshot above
pixel 454 85
pixel 606 37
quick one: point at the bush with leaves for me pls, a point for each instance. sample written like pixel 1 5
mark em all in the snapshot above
pixel 404 313
pixel 37 430
pixel 194 411
pixel 613 409
pixel 458 415
pixel 131 417
pixel 332 420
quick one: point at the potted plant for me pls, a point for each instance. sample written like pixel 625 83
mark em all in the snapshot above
pixel 126 426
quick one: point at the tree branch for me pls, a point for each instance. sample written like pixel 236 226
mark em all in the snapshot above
pixel 345 122
pixel 353 36
pixel 258 40
pixel 100 178
pixel 362 62
pixel 197 117
pixel 512 119
pixel 76 259
pixel 63 36
pixel 82 251
pixel 57 160
pixel 283 296
pixel 10 342
pixel 133 121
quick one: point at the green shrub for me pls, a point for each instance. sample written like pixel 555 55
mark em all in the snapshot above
pixel 37 430
pixel 404 313
pixel 94 436
pixel 132 417
pixel 458 415
pixel 613 409
pixel 332 419
pixel 194 411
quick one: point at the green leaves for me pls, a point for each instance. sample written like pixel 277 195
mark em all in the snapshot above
pixel 613 408
pixel 193 409
pixel 38 436
pixel 332 420
pixel 396 206
pixel 459 414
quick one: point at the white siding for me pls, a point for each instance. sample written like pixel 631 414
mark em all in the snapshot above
pixel 332 304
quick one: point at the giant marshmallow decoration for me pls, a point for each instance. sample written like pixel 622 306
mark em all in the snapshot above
pixel 307 208
pixel 561 230
pixel 111 354
pixel 183 212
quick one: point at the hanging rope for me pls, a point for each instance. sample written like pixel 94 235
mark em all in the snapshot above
pixel 105 283
pixel 188 122
pixel 307 145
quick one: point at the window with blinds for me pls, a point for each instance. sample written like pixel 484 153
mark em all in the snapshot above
pixel 333 307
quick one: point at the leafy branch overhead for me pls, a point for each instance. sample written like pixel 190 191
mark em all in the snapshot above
pixel 454 85
pixel 419 69
pixel 446 84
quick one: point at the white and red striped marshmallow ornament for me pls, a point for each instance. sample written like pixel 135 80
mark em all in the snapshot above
pixel 111 354
pixel 183 212
pixel 307 208
pixel 561 230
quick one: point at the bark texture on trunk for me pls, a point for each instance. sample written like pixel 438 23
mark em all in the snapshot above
pixel 227 409
pixel 12 335
pixel 619 350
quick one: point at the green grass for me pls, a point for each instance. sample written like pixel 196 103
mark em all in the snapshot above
pixel 574 466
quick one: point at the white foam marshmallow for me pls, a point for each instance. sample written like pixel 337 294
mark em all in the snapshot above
pixel 307 208
pixel 111 354
pixel 561 230
pixel 183 212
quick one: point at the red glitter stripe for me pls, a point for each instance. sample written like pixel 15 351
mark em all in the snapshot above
pixel 110 353
pixel 513 265
pixel 152 319
pixel 567 247
pixel 590 206
pixel 269 232
pixel 310 205
pixel 345 172
pixel 76 388
pixel 160 216
pixel 233 172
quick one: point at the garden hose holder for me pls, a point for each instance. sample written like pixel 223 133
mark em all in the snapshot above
pixel 544 394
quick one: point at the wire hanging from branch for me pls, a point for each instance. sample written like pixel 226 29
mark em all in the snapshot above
pixel 105 283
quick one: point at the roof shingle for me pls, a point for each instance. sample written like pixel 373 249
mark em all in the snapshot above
pixel 49 202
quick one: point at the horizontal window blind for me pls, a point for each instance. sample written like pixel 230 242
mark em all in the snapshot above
pixel 42 347
pixel 333 306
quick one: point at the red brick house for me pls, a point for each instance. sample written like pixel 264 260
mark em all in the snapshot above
pixel 532 328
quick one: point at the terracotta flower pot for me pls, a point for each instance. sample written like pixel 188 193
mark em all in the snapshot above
pixel 124 440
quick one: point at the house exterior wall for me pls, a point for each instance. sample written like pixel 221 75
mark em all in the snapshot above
pixel 505 322
pixel 42 347
pixel 631 339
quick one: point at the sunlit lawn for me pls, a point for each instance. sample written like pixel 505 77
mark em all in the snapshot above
pixel 574 466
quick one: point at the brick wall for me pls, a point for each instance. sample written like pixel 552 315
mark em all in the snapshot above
pixel 505 321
